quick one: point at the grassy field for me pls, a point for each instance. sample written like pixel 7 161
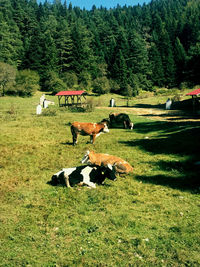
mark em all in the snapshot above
pixel 148 218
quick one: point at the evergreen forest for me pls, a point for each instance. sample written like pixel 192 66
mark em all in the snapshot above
pixel 54 46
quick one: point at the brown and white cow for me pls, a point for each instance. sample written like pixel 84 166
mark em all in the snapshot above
pixel 88 128
pixel 121 166
pixel 120 119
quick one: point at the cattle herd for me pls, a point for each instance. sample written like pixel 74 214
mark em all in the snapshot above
pixel 99 166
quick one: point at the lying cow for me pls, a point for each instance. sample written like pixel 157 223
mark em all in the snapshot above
pixel 121 166
pixel 83 175
pixel 120 119
pixel 88 128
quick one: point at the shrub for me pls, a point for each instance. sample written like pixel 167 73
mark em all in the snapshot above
pixel 70 79
pixel 27 82
pixel 89 106
pixel 145 94
pixel 85 80
pixel 54 83
pixel 176 98
pixel 101 85
pixel 114 86
pixel 49 112
pixel 7 78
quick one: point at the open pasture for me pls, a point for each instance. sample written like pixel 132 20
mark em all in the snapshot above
pixel 148 218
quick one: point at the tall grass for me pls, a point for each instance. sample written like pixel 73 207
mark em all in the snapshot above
pixel 148 218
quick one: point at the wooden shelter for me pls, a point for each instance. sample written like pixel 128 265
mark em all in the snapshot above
pixel 71 98
pixel 195 98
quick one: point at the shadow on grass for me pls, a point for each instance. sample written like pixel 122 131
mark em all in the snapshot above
pixel 180 138
pixel 67 143
pixel 159 106
pixel 182 183
pixel 187 178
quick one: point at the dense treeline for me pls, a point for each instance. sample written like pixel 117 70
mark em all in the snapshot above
pixel 123 50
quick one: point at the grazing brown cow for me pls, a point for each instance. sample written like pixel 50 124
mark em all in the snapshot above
pixel 88 128
pixel 120 119
pixel 121 166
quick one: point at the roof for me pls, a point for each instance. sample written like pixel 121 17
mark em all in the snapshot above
pixel 195 92
pixel 61 93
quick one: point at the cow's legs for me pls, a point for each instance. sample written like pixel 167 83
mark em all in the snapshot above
pixel 66 177
pixel 89 184
pixel 74 136
pixel 75 139
pixel 92 138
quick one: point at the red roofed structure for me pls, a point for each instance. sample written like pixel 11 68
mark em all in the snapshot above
pixel 195 100
pixel 194 92
pixel 72 98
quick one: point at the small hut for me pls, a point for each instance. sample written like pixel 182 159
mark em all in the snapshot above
pixel 195 98
pixel 71 98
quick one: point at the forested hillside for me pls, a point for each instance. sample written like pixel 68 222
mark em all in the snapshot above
pixel 122 50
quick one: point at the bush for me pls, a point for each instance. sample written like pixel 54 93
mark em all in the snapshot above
pixel 7 78
pixel 176 98
pixel 101 85
pixel 114 86
pixel 49 112
pixel 70 79
pixel 54 84
pixel 85 80
pixel 144 94
pixel 89 106
pixel 27 82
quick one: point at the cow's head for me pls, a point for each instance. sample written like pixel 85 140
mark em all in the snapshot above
pixel 129 124
pixel 109 171
pixel 86 159
pixel 105 128
pixel 57 179
pixel 106 121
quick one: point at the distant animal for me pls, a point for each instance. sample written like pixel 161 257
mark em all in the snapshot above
pixel 120 119
pixel 120 166
pixel 87 128
pixel 83 175
pixel 107 121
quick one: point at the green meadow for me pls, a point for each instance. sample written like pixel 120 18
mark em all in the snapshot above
pixel 148 218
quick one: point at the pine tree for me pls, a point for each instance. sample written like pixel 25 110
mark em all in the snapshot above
pixel 138 61
pixel 64 46
pixel 82 53
pixel 180 60
pixel 156 66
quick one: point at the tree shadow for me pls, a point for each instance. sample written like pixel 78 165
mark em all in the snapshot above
pixel 187 178
pixel 67 143
pixel 180 138
pixel 181 183
pixel 158 106
pixel 143 106
pixel 166 127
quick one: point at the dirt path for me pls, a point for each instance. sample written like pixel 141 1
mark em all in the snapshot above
pixel 157 114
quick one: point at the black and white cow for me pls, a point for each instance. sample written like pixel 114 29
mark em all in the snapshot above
pixel 84 175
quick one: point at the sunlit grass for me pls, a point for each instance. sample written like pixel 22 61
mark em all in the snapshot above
pixel 148 218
